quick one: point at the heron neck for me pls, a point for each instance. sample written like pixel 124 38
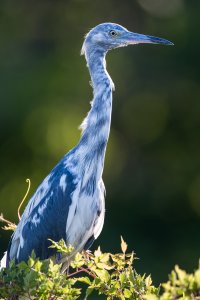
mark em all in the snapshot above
pixel 96 126
pixel 97 68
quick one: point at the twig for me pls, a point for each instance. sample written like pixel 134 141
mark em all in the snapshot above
pixel 24 198
pixel 87 271
pixel 74 273
pixel 81 269
pixel 10 225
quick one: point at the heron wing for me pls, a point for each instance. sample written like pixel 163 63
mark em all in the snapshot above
pixel 45 217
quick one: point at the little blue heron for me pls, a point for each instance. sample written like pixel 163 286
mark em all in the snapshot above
pixel 69 203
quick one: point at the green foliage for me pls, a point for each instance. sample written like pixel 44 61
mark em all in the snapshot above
pixel 111 275
pixel 36 280
pixel 182 286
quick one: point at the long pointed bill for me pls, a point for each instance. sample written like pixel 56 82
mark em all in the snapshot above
pixel 136 38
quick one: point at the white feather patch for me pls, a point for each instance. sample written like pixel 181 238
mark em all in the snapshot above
pixel 3 261
pixel 63 183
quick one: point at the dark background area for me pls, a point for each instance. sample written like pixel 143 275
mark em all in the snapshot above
pixel 152 168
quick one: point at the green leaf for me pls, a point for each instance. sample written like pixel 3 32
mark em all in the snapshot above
pixel 122 277
pixel 102 274
pixel 127 293
pixel 105 257
pixel 181 273
pixel 61 246
pixel 197 277
pixel 123 245
pixel 98 252
pixel 84 280
pixel 31 262
pixel 38 266
pixel 148 281
pixel 89 291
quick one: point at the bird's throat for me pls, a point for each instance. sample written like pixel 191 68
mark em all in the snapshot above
pixel 96 126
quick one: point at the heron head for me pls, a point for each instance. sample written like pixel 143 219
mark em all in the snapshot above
pixel 108 36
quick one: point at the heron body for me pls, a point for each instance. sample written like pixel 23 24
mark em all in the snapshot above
pixel 69 203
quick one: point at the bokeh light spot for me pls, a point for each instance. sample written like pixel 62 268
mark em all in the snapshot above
pixel 52 130
pixel 162 8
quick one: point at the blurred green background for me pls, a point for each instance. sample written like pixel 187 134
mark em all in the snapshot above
pixel 152 168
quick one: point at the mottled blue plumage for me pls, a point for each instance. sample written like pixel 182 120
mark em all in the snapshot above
pixel 69 203
pixel 51 221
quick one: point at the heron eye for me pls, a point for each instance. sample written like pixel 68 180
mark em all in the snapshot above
pixel 113 33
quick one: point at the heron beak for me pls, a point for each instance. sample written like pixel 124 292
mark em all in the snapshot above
pixel 136 38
